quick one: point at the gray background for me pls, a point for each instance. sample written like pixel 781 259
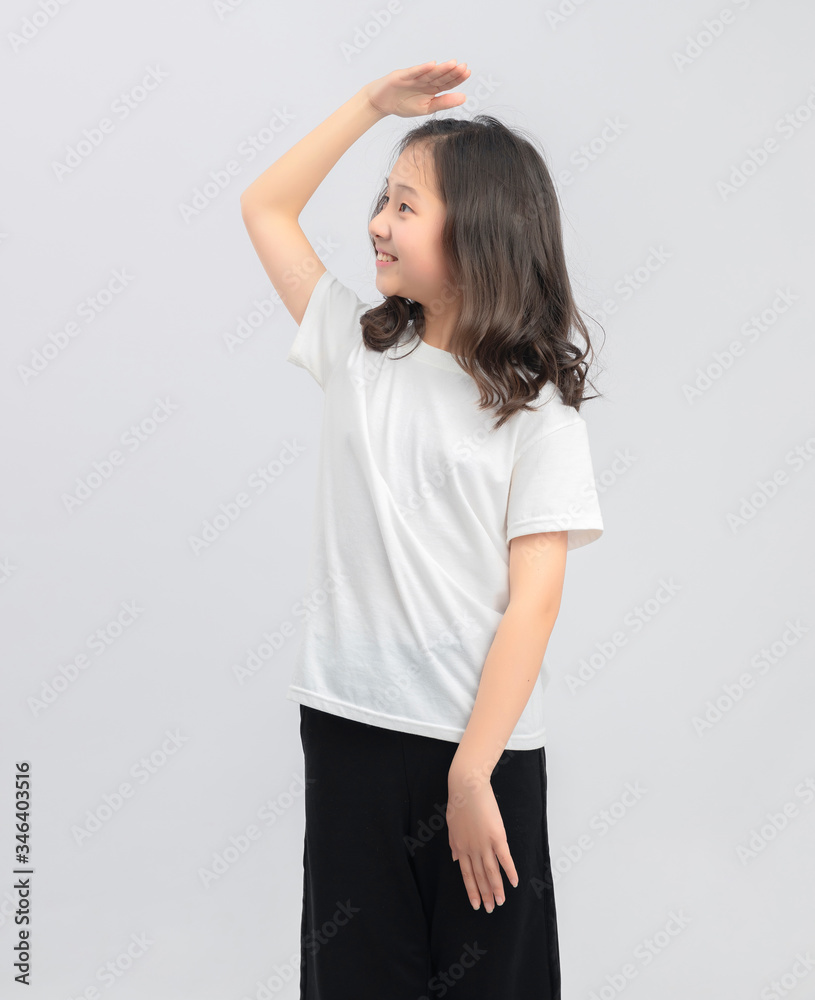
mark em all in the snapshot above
pixel 664 614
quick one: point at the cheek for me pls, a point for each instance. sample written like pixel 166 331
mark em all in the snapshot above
pixel 429 267
pixel 424 253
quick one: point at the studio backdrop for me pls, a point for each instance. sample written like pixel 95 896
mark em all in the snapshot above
pixel 159 463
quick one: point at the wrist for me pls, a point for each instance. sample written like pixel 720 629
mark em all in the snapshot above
pixel 470 771
pixel 367 105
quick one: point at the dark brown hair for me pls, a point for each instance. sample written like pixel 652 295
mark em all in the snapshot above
pixel 503 244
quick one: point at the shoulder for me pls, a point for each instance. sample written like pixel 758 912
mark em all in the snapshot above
pixel 550 414
pixel 329 332
pixel 338 297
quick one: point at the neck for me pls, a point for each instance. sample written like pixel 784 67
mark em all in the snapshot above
pixel 438 330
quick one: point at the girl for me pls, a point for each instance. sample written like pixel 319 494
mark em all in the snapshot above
pixel 455 474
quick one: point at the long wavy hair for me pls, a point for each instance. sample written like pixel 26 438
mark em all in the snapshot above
pixel 503 244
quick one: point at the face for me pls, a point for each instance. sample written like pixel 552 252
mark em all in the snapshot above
pixel 409 227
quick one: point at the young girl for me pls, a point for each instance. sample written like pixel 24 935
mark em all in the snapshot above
pixel 455 473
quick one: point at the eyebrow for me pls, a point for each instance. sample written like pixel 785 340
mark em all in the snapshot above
pixel 405 187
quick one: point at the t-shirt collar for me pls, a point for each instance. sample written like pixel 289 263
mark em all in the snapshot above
pixel 435 356
pixel 428 354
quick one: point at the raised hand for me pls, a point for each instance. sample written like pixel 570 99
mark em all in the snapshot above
pixel 407 93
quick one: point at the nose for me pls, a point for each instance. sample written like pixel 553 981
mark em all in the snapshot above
pixel 376 227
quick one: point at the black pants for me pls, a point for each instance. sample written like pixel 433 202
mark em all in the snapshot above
pixel 386 915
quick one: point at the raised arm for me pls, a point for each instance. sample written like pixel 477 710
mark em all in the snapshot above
pixel 272 204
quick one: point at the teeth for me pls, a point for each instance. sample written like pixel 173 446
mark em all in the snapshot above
pixel 384 256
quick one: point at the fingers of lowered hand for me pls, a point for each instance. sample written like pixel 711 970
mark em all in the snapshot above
pixel 482 876
pixel 505 859
pixel 488 875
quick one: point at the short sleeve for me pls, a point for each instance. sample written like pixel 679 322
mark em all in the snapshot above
pixel 552 487
pixel 330 328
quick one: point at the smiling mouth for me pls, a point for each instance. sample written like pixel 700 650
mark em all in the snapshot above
pixel 385 258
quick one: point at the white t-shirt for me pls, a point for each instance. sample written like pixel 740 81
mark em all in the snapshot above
pixel 417 501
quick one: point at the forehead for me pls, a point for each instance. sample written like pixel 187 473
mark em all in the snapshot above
pixel 413 171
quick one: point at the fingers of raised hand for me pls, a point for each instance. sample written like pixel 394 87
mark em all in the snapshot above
pixel 449 70
pixel 440 75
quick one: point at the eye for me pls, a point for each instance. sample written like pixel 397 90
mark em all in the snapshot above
pixel 402 203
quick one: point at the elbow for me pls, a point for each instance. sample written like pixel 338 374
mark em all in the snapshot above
pixel 251 208
pixel 247 203
pixel 250 200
